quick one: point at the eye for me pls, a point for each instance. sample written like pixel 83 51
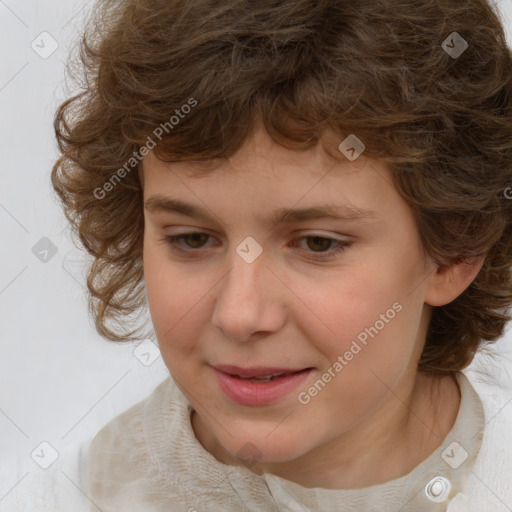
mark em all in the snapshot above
pixel 318 247
pixel 193 240
pixel 321 246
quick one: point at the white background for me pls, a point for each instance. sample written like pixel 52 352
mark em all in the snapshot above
pixel 60 382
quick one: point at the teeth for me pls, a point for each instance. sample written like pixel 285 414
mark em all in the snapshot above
pixel 266 377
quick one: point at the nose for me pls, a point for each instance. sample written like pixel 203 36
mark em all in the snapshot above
pixel 249 301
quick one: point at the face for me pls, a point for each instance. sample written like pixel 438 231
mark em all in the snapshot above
pixel 334 298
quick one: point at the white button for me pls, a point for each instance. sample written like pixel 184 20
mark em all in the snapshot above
pixel 438 489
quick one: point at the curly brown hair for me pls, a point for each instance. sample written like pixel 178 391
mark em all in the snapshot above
pixel 434 105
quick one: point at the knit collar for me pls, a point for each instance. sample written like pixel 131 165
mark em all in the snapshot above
pixel 430 486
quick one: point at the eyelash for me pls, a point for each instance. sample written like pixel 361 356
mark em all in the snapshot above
pixel 342 245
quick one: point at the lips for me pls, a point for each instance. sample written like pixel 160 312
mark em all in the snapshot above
pixel 259 386
pixel 261 372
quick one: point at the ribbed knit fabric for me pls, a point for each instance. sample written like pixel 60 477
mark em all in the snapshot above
pixel 149 460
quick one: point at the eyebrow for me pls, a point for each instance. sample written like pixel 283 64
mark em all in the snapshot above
pixel 281 215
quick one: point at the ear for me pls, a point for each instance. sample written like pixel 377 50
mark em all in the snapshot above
pixel 447 282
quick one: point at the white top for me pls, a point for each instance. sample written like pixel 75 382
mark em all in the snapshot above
pixel 149 460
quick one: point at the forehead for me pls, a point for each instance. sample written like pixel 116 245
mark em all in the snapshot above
pixel 265 175
pixel 259 149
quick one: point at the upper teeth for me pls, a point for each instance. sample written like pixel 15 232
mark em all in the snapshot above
pixel 266 377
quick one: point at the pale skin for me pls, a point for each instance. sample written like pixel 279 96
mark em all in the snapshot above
pixel 378 418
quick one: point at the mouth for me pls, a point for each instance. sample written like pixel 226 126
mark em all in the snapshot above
pixel 259 374
pixel 259 386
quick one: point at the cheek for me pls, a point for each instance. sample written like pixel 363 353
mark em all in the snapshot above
pixel 368 317
pixel 344 306
pixel 174 299
pixel 364 371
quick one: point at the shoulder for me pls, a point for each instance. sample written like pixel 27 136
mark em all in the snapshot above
pixel 118 460
pixel 128 422
pixel 127 429
pixel 489 484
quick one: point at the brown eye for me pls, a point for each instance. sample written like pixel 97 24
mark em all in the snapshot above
pixel 195 240
pixel 321 248
pixel 319 244
pixel 187 241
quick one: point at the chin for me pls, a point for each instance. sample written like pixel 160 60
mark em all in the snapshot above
pixel 264 448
